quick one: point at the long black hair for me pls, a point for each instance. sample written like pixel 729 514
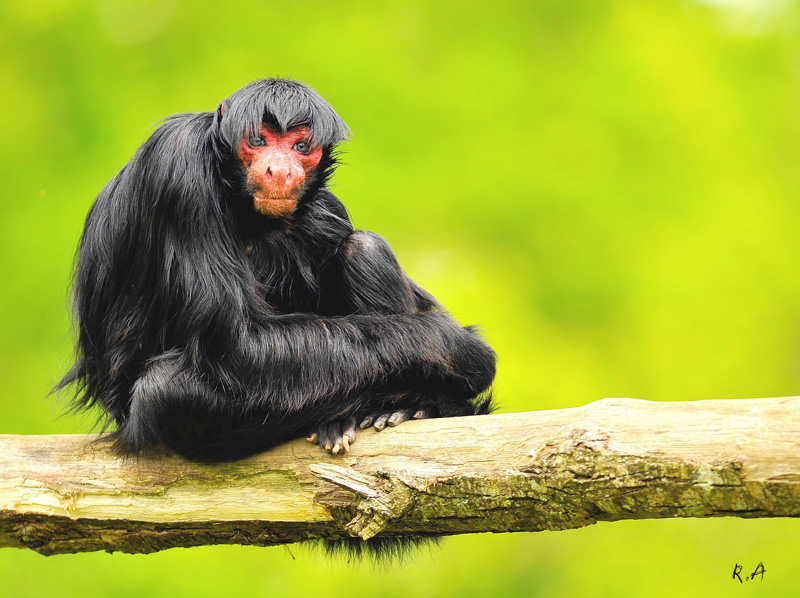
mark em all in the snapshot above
pixel 146 281
pixel 219 331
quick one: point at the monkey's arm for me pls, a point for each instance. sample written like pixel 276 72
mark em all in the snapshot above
pixel 301 373
pixel 306 358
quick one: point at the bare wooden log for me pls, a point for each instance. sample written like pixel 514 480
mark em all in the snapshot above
pixel 549 470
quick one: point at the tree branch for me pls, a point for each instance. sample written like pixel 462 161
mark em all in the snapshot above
pixel 549 470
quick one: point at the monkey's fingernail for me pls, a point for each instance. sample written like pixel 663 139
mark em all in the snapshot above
pixel 365 423
pixel 336 448
pixel 346 443
pixel 327 446
pixel 420 415
pixel 312 438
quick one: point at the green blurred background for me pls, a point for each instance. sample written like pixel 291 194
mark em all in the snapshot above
pixel 609 188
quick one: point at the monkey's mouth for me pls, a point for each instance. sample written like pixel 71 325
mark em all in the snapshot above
pixel 275 206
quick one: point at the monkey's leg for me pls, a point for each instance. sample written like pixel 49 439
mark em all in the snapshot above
pixel 366 279
pixel 172 406
pixel 369 280
pixel 372 282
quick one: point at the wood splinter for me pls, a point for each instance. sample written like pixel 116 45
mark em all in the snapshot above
pixel 383 500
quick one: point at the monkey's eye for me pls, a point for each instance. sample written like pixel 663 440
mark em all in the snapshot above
pixel 256 141
pixel 303 147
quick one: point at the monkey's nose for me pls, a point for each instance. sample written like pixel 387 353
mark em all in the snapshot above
pixel 278 173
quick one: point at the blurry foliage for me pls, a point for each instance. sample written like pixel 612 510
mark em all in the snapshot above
pixel 610 189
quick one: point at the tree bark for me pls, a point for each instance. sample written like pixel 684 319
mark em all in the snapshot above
pixel 548 470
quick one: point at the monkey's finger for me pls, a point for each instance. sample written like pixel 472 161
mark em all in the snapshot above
pixel 380 421
pixel 349 435
pixel 335 437
pixel 312 438
pixel 421 414
pixel 324 439
pixel 366 422
pixel 398 417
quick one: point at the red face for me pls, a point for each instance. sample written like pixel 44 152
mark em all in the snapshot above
pixel 277 165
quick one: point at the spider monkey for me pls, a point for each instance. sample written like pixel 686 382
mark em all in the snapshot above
pixel 225 304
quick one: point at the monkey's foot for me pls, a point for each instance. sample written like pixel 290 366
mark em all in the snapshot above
pixel 380 420
pixel 335 437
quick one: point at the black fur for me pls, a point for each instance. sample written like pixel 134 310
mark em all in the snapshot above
pixel 219 332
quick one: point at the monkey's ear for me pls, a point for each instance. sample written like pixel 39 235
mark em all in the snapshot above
pixel 220 111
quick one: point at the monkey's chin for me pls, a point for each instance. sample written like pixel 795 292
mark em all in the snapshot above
pixel 274 207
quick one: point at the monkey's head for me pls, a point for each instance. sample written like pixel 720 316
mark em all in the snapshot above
pixel 281 135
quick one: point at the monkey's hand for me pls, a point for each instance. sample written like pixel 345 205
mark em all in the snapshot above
pixel 335 437
pixel 394 418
